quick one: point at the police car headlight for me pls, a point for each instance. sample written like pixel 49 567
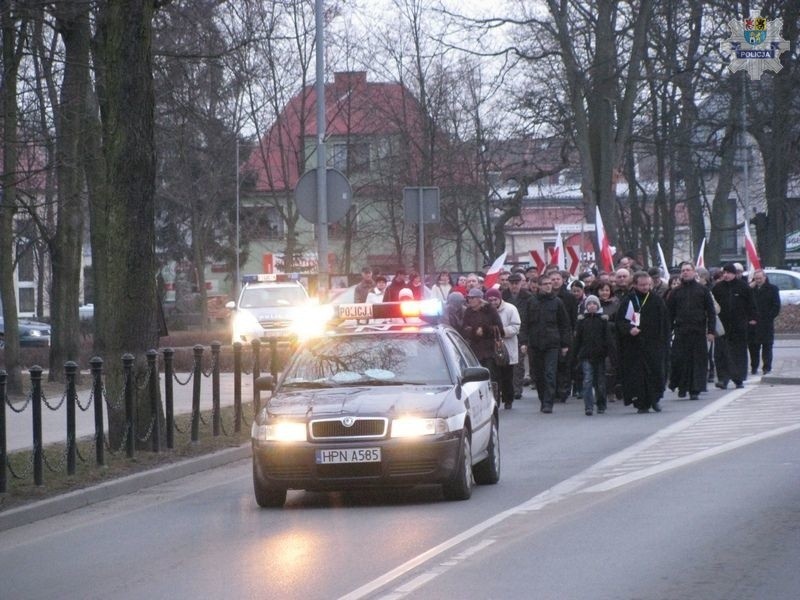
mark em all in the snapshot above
pixel 311 321
pixel 281 431
pixel 417 427
pixel 245 324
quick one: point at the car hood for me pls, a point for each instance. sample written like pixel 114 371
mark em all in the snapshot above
pixel 273 313
pixel 389 400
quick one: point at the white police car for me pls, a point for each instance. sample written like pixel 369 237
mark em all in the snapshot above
pixel 396 401
pixel 267 307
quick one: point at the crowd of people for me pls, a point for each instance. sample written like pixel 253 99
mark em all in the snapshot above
pixel 628 335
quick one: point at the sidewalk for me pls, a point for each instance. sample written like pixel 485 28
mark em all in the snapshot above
pixel 19 426
pixel 784 371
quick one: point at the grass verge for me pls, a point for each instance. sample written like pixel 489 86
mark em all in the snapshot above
pixel 22 490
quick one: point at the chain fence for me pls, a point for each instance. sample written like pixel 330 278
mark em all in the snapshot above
pixel 226 422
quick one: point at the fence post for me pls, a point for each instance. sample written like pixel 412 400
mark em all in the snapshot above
pixel 237 387
pixel 198 375
pixel 70 372
pixel 169 409
pixel 130 425
pixel 215 417
pixel 3 442
pixel 152 365
pixel 273 358
pixel 97 393
pixel 256 375
pixel 36 405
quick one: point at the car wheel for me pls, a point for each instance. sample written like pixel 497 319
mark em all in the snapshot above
pixel 487 471
pixel 460 487
pixel 266 495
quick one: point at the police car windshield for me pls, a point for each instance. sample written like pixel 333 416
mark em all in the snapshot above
pixel 272 296
pixel 390 359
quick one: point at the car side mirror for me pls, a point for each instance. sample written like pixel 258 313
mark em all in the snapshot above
pixel 264 383
pixel 230 305
pixel 474 374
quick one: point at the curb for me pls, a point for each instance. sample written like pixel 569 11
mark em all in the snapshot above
pixel 57 505
pixel 780 380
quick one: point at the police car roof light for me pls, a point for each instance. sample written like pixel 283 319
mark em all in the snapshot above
pixel 428 310
pixel 270 277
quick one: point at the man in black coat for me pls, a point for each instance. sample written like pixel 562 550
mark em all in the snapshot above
pixel 737 312
pixel 692 318
pixel 392 293
pixel 518 296
pixel 547 332
pixel 562 292
pixel 643 326
pixel 761 336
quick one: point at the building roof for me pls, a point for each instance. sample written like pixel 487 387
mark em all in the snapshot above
pixel 353 107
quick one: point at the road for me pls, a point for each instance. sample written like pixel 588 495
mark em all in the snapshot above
pixel 700 501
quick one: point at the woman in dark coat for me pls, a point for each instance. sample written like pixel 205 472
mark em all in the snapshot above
pixel 643 327
pixel 481 324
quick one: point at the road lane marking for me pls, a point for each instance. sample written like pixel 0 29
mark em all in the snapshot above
pixel 669 448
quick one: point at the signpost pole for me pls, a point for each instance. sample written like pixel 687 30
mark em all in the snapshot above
pixel 421 236
pixel 322 196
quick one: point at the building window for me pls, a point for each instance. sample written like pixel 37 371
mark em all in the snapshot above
pixel 25 263
pixel 339 230
pixel 263 222
pixel 350 158
pixel 27 300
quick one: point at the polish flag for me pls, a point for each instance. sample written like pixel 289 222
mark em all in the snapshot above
pixel 493 274
pixel 701 261
pixel 558 259
pixel 664 269
pixel 629 314
pixel 606 251
pixel 750 248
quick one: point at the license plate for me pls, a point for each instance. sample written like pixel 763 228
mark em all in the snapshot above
pixel 348 455
pixel 355 311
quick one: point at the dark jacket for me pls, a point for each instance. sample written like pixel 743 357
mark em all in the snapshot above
pixel 593 336
pixel 570 304
pixel 520 301
pixel 735 299
pixel 546 323
pixel 392 292
pixel 691 309
pixel 767 299
pixel 486 319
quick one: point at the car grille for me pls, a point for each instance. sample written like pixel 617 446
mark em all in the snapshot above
pixel 287 471
pixel 349 471
pixel 362 428
pixel 405 467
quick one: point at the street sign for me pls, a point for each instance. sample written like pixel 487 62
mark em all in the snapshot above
pixel 430 204
pixel 338 191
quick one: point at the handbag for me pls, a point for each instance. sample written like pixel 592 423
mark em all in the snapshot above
pixel 501 357
pixel 719 328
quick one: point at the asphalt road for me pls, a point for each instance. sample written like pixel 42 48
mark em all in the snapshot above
pixel 698 501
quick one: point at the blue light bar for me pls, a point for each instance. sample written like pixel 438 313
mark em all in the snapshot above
pixel 270 277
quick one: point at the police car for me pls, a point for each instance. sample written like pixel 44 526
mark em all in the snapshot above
pixel 386 398
pixel 267 306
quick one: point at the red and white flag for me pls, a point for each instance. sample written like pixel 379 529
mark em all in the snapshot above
pixel 664 269
pixel 559 259
pixel 493 274
pixel 750 248
pixel 606 251
pixel 701 261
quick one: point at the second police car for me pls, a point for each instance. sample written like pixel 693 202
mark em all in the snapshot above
pixel 387 400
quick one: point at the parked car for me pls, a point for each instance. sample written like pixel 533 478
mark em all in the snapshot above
pixel 788 282
pixel 32 334
pixel 388 404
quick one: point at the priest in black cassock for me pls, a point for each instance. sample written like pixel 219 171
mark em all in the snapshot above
pixel 643 327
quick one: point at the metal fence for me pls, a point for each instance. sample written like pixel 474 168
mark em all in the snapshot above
pixel 124 404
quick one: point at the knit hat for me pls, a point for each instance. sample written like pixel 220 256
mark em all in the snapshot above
pixel 475 293
pixel 493 293
pixel 729 268
pixel 592 300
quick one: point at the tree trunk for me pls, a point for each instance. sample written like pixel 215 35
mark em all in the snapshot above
pixel 8 199
pixel 72 20
pixel 127 209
